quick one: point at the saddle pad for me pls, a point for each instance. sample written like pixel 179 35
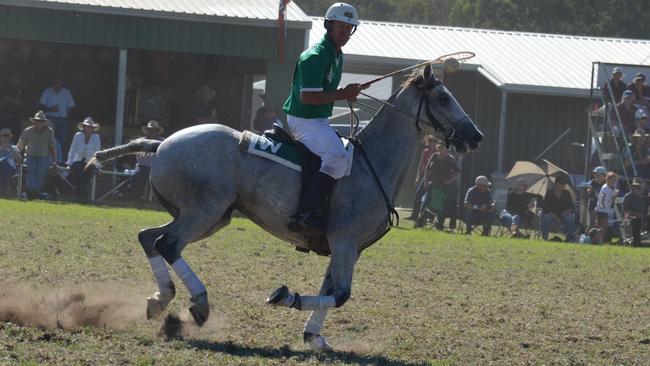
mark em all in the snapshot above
pixel 283 153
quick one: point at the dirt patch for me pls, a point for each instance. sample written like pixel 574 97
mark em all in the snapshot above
pixel 100 305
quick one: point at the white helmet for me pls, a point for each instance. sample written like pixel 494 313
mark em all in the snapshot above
pixel 343 12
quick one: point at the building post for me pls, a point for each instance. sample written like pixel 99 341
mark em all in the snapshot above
pixel 502 131
pixel 121 97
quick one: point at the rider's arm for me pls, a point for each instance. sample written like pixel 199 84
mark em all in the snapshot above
pixel 350 92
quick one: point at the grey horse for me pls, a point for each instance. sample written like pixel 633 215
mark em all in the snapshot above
pixel 200 176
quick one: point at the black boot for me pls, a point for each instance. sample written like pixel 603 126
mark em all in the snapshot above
pixel 306 219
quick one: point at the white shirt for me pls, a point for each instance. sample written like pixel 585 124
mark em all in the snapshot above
pixel 63 99
pixel 80 150
pixel 606 201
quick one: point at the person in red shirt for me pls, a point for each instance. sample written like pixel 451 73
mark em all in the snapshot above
pixel 420 186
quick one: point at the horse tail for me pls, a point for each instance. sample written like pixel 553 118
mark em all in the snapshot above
pixel 140 145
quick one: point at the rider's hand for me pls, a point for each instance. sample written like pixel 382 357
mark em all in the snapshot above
pixel 351 91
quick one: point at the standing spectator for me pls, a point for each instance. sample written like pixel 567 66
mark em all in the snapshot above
pixel 599 173
pixel 635 208
pixel 557 208
pixel 626 110
pixel 57 102
pixel 152 131
pixel 205 110
pixel 11 105
pixel 605 207
pixel 440 176
pixel 518 205
pixel 618 87
pixel 37 142
pixel 84 145
pixel 640 89
pixel 479 206
pixel 420 182
pixel 9 160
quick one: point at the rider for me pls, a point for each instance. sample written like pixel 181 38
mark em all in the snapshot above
pixel 313 93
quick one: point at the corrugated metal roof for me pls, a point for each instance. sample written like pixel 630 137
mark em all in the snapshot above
pixel 514 61
pixel 258 12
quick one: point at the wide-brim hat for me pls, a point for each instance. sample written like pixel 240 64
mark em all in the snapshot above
pixel 205 89
pixel 5 132
pixel 39 117
pixel 88 121
pixel 637 181
pixel 153 125
pixel 640 133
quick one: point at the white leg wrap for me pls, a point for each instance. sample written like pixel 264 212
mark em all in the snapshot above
pixel 315 322
pixel 317 302
pixel 160 272
pixel 189 278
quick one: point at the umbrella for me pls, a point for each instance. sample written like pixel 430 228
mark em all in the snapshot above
pixel 540 176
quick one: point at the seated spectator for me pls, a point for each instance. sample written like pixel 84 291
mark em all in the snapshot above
pixel 37 142
pixel 84 145
pixel 9 161
pixel 599 173
pixel 640 89
pixel 440 176
pixel 518 205
pixel 605 207
pixel 640 152
pixel 479 206
pixel 626 110
pixel 205 109
pixel 152 131
pixel 641 118
pixel 557 208
pixel 635 208
pixel 265 117
pixel 618 87
pixel 421 183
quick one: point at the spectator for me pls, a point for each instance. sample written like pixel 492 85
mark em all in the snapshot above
pixel 84 145
pixel 593 189
pixel 640 151
pixel 57 102
pixel 518 205
pixel 557 208
pixel 152 131
pixel 479 206
pixel 640 89
pixel 205 110
pixel 9 160
pixel 37 142
pixel 641 118
pixel 635 209
pixel 626 111
pixel 605 207
pixel 618 87
pixel 441 174
pixel 266 116
pixel 420 182
pixel 11 105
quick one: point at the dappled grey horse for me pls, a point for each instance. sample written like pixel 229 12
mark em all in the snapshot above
pixel 200 176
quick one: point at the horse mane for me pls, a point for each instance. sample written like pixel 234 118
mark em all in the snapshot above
pixel 418 77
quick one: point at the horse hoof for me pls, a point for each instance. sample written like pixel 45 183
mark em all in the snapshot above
pixel 157 303
pixel 317 342
pixel 201 309
pixel 278 295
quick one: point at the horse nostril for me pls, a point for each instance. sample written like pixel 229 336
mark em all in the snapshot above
pixel 478 137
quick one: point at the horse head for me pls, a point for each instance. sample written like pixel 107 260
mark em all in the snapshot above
pixel 444 113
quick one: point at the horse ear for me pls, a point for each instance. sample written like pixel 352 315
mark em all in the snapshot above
pixel 426 72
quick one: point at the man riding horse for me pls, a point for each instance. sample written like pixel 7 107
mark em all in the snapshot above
pixel 309 106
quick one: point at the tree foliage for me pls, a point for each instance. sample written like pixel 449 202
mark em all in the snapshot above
pixel 605 18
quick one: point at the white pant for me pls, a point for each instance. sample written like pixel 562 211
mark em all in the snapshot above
pixel 320 138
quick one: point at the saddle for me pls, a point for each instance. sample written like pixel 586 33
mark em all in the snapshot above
pixel 279 146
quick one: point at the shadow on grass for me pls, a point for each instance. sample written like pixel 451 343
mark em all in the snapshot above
pixel 284 352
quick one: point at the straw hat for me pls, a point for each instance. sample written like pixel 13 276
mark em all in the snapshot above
pixel 5 132
pixel 205 89
pixel 640 133
pixel 153 125
pixel 39 117
pixel 88 121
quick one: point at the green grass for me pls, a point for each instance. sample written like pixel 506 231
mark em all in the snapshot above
pixel 419 297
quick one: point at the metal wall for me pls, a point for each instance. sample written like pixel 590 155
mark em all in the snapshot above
pixel 83 28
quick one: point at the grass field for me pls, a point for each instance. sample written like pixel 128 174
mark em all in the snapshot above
pixel 74 281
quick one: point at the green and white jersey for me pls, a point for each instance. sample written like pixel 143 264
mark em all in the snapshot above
pixel 317 69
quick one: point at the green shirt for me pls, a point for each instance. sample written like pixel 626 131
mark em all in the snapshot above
pixel 317 69
pixel 37 143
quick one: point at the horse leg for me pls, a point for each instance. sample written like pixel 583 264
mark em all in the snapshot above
pixel 311 332
pixel 184 230
pixel 157 303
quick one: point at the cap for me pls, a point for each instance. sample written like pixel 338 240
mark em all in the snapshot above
pixel 599 170
pixel 628 93
pixel 617 70
pixel 482 180
pixel 639 76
